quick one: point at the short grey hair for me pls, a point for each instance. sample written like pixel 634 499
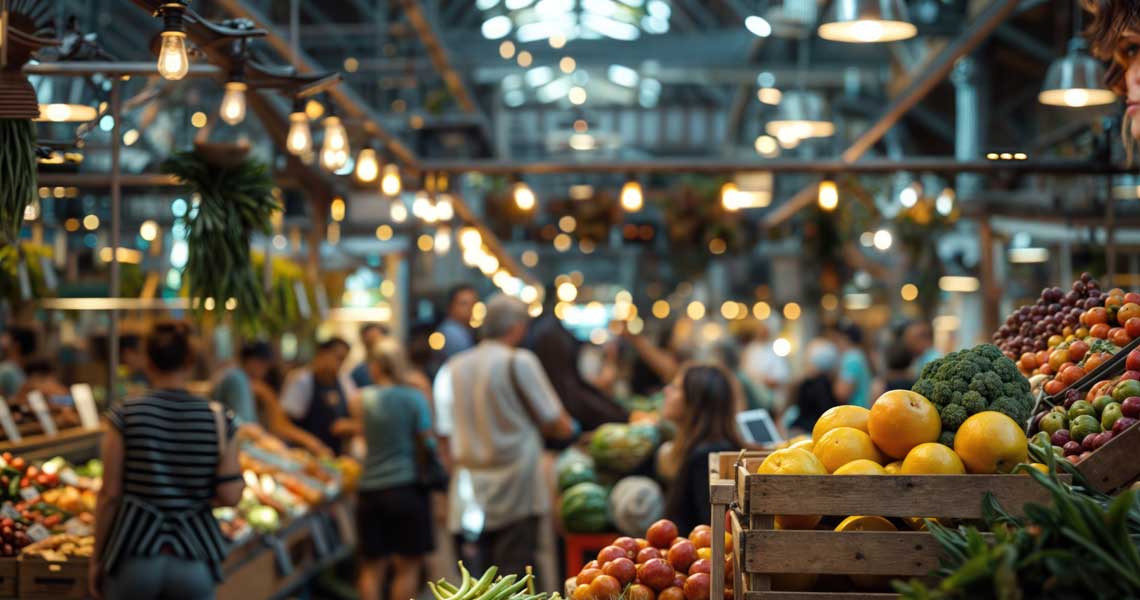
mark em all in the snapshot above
pixel 503 313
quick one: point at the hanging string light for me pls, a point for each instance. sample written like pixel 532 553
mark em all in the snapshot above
pixel 299 141
pixel 729 196
pixel 367 165
pixel 524 196
pixel 334 150
pixel 173 62
pixel 828 195
pixel 233 103
pixel 390 184
pixel 631 197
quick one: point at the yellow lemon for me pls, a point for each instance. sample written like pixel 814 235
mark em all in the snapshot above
pixel 840 416
pixel 861 467
pixel 843 445
pixel 932 459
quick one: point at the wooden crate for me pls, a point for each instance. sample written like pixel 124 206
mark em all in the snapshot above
pixel 1115 464
pixel 9 577
pixel 762 551
pixel 722 495
pixel 45 579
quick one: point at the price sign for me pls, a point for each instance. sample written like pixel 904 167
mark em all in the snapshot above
pixel 85 404
pixel 38 532
pixel 40 407
pixel 74 526
pixel 9 425
pixel 29 493
pixel 9 512
pixel 68 477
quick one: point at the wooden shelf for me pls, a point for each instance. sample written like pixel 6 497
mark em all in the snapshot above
pixel 75 444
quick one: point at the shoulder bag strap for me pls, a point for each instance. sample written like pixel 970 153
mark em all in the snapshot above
pixel 524 399
pixel 220 426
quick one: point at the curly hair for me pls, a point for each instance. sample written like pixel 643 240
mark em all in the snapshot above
pixel 1110 19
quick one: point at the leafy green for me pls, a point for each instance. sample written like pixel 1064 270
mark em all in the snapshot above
pixel 233 203
pixel 1083 545
pixel 967 382
pixel 17 174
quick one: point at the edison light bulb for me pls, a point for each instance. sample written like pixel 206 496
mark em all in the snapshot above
pixel 390 181
pixel 367 166
pixel 300 139
pixel 173 63
pixel 233 103
pixel 631 197
pixel 828 195
pixel 334 150
pixel 524 197
pixel 729 196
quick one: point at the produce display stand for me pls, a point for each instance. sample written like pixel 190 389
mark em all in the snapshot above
pixel 75 444
pixel 581 548
pixel 9 576
pixel 722 495
pixel 275 565
pixel 761 550
pixel 1115 464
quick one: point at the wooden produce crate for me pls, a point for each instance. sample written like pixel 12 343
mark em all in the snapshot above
pixel 9 577
pixel 762 551
pixel 722 495
pixel 52 580
pixel 1114 465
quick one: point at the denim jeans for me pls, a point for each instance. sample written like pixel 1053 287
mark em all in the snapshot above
pixel 159 577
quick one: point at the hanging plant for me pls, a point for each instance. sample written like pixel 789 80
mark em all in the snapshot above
pixel 283 310
pixel 235 200
pixel 18 172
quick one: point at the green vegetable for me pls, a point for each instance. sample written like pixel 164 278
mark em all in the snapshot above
pixel 1082 545
pixel 234 202
pixel 619 448
pixel 18 174
pixel 584 508
pixel 575 473
pixel 967 382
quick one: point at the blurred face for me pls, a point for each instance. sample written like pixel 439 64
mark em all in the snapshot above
pixel 327 363
pixel 256 368
pixel 463 306
pixel 674 406
pixel 371 337
pixel 917 337
pixel 1128 57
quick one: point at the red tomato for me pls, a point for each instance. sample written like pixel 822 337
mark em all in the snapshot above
pixel 605 588
pixel 1054 387
pixel 1132 326
pixel 1099 330
pixel 1028 361
pixel 1096 316
pixel 1119 336
pixel 587 576
pixel 1072 375
pixel 1077 350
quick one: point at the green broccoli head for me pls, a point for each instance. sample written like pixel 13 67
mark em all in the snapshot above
pixel 1017 407
pixel 946 438
pixel 953 415
pixel 974 402
pixel 924 387
pixel 989 351
pixel 986 383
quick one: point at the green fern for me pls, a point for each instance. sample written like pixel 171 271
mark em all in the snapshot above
pixel 17 175
pixel 234 203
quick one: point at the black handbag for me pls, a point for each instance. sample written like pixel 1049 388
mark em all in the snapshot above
pixel 430 474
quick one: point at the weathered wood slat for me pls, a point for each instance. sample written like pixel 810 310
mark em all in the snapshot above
pixel 901 553
pixel 949 496
pixel 1115 464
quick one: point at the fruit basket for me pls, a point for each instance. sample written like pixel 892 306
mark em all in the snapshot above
pixel 858 562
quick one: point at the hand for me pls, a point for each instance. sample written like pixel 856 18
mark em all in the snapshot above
pixel 344 427
pixel 95 579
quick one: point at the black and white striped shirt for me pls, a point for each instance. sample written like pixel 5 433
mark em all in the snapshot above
pixel 170 462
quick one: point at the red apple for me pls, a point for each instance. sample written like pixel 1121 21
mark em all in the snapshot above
pixel 1130 374
pixel 621 569
pixel 640 592
pixel 702 565
pixel 679 579
pixel 610 553
pixel 656 573
pixel 661 533
pixel 588 575
pixel 1131 407
pixel 1132 362
pixel 698 586
pixel 1132 298
pixel 672 593
pixel 605 588
pixel 1073 458
pixel 647 554
pixel 682 555
pixel 593 564
pixel 629 544
pixel 642 543
pixel 1123 423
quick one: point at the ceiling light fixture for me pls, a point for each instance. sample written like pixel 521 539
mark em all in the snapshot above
pixel 334 149
pixel 523 196
pixel 390 184
pixel 1074 80
pixel 66 113
pixel 299 141
pixel 367 165
pixel 233 102
pixel 801 116
pixel 867 22
pixel 631 197
pixel 173 62
pixel 828 195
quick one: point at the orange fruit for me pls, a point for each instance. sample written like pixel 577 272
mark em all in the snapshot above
pixel 991 442
pixel 861 523
pixel 932 459
pixel 704 553
pixel 861 467
pixel 793 461
pixel 807 444
pixel 843 445
pixel 1040 467
pixel 901 420
pixel 893 468
pixel 840 416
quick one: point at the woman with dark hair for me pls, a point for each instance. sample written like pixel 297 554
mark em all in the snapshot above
pixel 167 461
pixel 393 514
pixel 1114 36
pixel 703 402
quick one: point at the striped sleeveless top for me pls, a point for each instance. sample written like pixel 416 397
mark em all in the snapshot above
pixel 170 461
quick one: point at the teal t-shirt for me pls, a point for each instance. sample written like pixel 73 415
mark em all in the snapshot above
pixel 853 368
pixel 393 417
pixel 11 379
pixel 234 392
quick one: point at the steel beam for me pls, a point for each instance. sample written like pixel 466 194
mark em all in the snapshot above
pixel 728 166
pixel 937 70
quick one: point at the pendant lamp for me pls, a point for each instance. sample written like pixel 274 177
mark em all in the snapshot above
pixel 867 22
pixel 1074 80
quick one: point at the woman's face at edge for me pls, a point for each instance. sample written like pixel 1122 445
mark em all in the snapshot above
pixel 1127 55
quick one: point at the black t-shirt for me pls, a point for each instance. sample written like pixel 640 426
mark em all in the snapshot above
pixel 814 396
pixel 687 500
